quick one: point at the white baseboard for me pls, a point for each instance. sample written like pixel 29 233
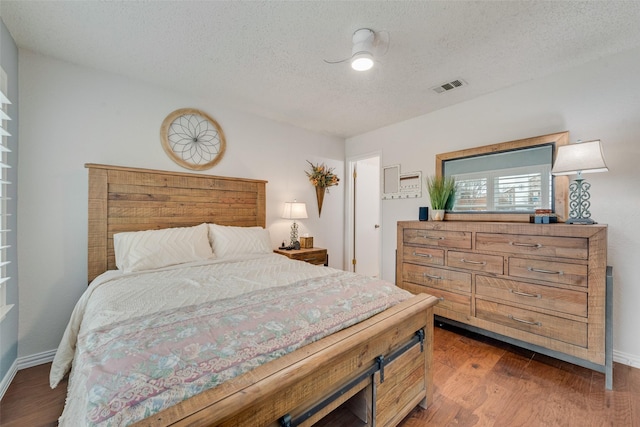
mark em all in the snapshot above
pixel 35 359
pixel 47 356
pixel 626 359
pixel 6 381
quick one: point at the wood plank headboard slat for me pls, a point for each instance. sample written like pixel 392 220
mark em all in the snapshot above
pixel 132 199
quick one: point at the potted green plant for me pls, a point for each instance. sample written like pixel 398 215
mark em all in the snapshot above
pixel 441 193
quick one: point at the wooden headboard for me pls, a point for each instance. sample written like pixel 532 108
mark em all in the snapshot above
pixel 130 199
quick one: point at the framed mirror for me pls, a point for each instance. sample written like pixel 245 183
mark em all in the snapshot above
pixel 507 181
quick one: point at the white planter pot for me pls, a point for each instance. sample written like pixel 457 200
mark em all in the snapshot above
pixel 437 214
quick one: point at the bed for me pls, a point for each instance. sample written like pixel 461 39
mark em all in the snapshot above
pixel 372 367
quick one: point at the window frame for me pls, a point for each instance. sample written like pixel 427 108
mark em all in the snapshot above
pixel 560 183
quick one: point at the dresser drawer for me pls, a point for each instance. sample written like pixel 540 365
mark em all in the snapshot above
pixel 561 247
pixel 558 328
pixel 318 258
pixel 437 278
pixel 547 297
pixel 445 239
pixel 476 262
pixel 422 255
pixel 549 271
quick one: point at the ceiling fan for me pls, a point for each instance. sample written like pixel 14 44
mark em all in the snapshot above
pixel 367 45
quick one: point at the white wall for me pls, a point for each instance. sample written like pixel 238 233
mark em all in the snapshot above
pixel 72 115
pixel 600 100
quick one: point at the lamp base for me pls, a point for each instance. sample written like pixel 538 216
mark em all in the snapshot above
pixel 583 221
pixel 294 233
pixel 579 202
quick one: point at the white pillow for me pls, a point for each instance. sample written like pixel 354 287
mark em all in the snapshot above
pixel 145 250
pixel 229 240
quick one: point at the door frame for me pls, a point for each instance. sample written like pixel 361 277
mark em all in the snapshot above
pixel 349 240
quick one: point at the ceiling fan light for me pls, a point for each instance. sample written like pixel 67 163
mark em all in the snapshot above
pixel 362 61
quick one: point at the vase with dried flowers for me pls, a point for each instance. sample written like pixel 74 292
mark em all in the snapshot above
pixel 322 178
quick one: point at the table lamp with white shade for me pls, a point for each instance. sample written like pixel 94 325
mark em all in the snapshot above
pixel 294 210
pixel 576 159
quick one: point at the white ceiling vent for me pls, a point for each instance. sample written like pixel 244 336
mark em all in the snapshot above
pixel 445 87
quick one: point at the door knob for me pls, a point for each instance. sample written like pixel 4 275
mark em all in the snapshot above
pixel 376 226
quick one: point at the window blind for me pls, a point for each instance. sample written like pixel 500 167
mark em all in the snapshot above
pixel 4 183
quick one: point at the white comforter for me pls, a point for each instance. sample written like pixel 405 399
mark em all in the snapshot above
pixel 115 296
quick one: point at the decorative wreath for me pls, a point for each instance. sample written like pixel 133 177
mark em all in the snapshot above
pixel 192 139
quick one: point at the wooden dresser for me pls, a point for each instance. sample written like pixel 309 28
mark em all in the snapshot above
pixel 540 286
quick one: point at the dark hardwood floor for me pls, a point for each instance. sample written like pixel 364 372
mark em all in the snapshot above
pixel 478 382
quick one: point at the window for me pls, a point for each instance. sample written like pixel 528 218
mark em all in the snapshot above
pixel 4 118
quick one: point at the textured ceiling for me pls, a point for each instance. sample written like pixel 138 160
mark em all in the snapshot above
pixel 266 57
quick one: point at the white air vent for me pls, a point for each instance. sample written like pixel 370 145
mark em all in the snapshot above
pixel 445 87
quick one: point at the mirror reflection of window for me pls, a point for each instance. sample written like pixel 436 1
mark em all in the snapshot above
pixel 513 181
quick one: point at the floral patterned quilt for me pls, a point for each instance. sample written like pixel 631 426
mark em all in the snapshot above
pixel 137 367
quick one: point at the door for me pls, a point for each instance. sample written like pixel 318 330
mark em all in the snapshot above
pixel 366 216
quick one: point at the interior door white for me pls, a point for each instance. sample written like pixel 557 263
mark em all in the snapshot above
pixel 366 208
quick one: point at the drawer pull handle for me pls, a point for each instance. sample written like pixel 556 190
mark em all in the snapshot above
pixel 431 276
pixel 528 322
pixel 441 299
pixel 467 261
pixel 426 236
pixel 524 294
pixel 526 245
pixel 422 255
pixel 539 270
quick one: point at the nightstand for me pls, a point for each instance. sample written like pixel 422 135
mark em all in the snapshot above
pixel 317 256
